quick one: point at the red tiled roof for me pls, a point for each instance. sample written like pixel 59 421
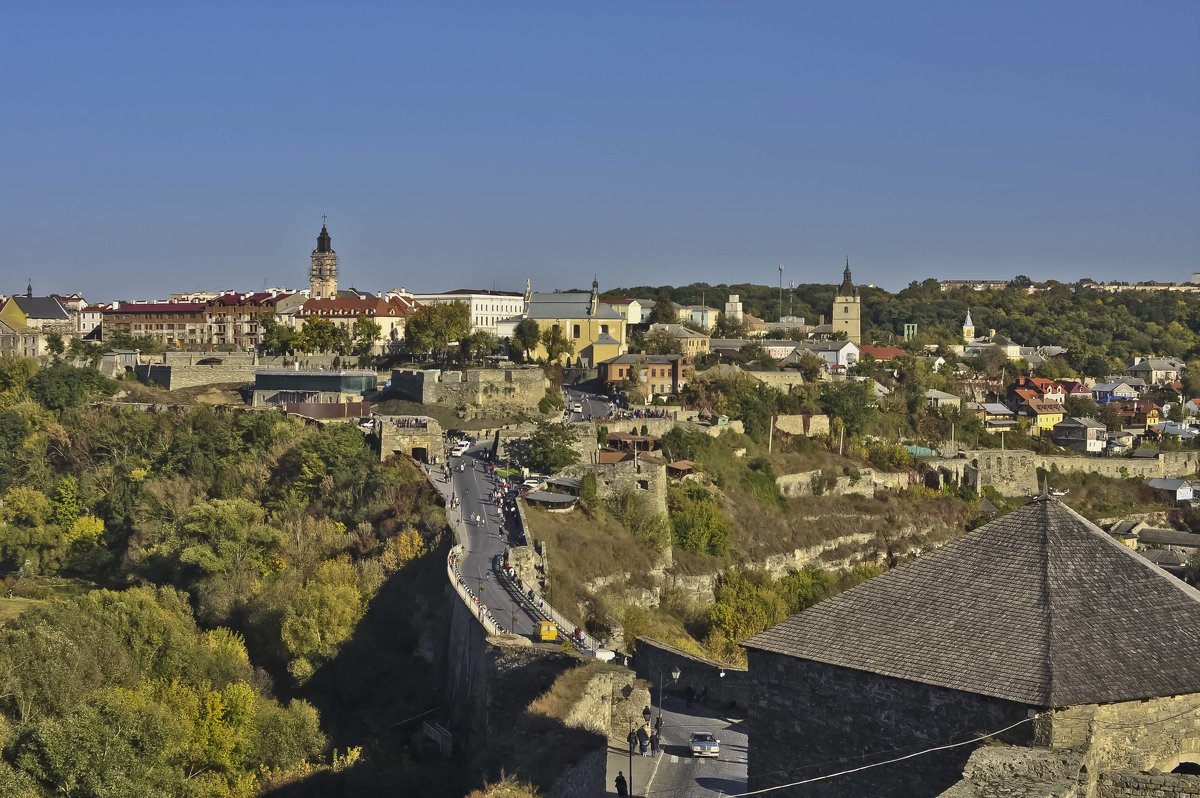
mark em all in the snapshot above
pixel 881 352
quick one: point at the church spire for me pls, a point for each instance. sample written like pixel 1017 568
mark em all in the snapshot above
pixel 847 287
pixel 324 242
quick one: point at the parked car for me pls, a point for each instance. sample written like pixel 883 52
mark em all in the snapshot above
pixel 705 744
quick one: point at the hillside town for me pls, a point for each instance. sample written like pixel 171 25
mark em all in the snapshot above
pixel 746 549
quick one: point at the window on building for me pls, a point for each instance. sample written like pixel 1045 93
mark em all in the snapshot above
pixel 604 329
pixel 575 333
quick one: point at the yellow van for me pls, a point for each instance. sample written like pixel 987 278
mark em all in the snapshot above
pixel 547 631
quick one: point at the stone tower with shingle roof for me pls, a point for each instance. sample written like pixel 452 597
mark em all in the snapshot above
pixel 322 273
pixel 1038 613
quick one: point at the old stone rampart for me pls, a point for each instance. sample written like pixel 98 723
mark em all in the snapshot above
pixel 652 660
pixel 516 387
pixel 1014 472
pixel 807 424
pixel 1148 785
pixel 864 484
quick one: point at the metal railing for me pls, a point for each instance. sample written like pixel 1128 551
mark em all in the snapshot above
pixel 478 608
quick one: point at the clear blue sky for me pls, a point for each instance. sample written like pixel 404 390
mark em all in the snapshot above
pixel 159 145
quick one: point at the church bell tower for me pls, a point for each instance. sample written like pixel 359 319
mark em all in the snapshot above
pixel 322 274
pixel 847 309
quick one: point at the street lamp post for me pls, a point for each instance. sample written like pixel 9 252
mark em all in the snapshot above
pixel 675 674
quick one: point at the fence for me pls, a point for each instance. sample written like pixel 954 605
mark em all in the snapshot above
pixel 479 609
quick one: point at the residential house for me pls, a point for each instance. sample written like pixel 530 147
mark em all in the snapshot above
pixel 842 354
pixel 995 416
pixel 698 315
pixel 487 308
pixel 1192 407
pixel 20 341
pixel 881 352
pixel 1155 370
pixel 33 319
pixel 235 319
pixel 1136 383
pixel 175 325
pixel 691 343
pixel 1137 414
pixel 651 375
pixel 1169 429
pixel 1075 388
pixel 1179 490
pixel 940 400
pixel 992 341
pixel 1049 390
pixel 1119 442
pixel 1185 543
pixel 1043 415
pixel 1117 391
pixel 1084 435
pixel 596 330
pixel 634 311
pixel 88 321
pixel 390 314
pixel 1030 616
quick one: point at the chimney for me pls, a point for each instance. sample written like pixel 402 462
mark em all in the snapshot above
pixel 992 333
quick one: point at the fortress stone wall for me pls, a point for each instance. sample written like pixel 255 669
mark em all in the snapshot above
pixel 517 386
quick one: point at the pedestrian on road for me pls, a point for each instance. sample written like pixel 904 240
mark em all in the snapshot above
pixel 643 737
pixel 658 724
pixel 632 740
pixel 622 787
pixel 653 745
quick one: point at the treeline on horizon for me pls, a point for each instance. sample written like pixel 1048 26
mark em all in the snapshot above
pixel 1102 331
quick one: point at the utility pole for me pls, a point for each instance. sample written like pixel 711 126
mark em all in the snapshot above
pixel 781 292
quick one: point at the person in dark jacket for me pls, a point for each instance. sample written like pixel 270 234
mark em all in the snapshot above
pixel 654 741
pixel 633 741
pixel 622 786
pixel 643 740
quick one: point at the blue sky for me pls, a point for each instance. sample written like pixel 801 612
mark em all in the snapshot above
pixel 155 146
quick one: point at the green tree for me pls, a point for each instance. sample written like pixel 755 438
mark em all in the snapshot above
pixel 432 328
pixel 550 448
pixel 364 337
pixel 527 334
pixel 276 338
pixel 664 309
pixel 478 345
pixel 61 386
pixel 556 344
pixel 811 366
pixel 851 402
pixel 318 335
pixel 55 345
pixel 321 617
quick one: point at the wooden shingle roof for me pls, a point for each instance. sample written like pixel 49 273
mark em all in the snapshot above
pixel 1039 606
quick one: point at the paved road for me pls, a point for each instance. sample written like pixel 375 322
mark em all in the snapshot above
pixel 593 405
pixel 483 541
pixel 675 774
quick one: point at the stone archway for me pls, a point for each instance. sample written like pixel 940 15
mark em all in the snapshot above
pixel 1186 760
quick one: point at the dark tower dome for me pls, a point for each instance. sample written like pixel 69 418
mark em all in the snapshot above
pixel 324 243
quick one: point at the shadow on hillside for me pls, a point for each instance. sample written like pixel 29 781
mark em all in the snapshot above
pixel 373 693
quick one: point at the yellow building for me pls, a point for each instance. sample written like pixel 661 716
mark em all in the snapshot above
pixel 691 343
pixel 847 309
pixel 596 331
pixel 1043 415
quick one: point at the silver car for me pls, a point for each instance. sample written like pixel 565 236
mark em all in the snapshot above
pixel 705 744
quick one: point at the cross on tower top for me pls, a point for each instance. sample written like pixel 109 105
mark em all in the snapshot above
pixel 323 218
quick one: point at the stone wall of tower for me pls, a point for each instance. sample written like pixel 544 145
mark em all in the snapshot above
pixel 323 275
pixel 847 317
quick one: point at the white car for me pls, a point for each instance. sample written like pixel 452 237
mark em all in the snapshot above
pixel 460 449
pixel 705 744
pixel 577 407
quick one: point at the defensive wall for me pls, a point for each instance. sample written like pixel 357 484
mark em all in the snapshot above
pixel 517 386
pixel 1014 472
pixel 653 661
pixel 866 483
pixel 176 370
pixel 647 475
pixel 807 424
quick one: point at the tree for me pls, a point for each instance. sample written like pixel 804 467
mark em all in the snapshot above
pixel 661 342
pixel 318 335
pixel 729 328
pixel 477 346
pixel 556 344
pixel 54 345
pixel 364 336
pixel 754 356
pixel 811 366
pixel 60 386
pixel 664 309
pixel 851 402
pixel 527 334
pixel 276 338
pixel 321 617
pixel 432 328
pixel 550 448
pixel 89 352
